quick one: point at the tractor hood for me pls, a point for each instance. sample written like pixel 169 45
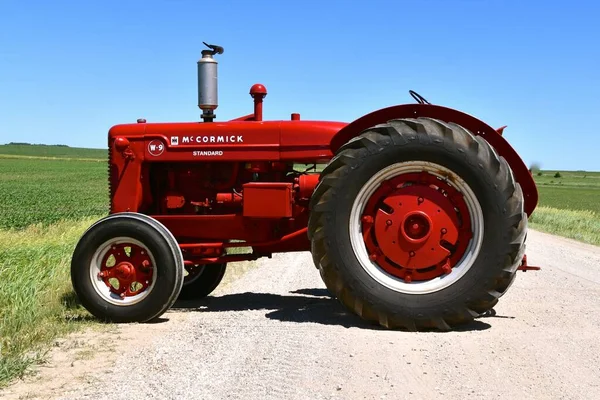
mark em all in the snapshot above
pixel 233 140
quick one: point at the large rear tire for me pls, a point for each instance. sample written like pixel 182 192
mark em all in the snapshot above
pixel 417 224
pixel 127 267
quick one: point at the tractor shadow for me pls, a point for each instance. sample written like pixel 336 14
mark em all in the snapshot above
pixel 304 306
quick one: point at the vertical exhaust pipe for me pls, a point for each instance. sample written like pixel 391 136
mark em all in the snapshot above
pixel 208 82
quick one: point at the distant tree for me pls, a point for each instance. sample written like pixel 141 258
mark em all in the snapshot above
pixel 539 173
pixel 535 168
pixel 557 175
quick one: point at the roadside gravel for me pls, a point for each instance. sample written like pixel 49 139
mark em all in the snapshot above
pixel 276 334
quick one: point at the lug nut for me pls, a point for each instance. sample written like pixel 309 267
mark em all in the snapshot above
pixel 373 257
pixel 446 269
pixel 145 264
pixel 420 200
pixel 412 254
pixel 407 278
pixel 367 219
pixel 444 231
pixel 388 222
pixel 101 274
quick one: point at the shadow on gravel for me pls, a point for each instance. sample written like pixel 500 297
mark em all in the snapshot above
pixel 307 305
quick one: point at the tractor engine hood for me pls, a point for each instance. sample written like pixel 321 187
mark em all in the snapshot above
pixel 232 140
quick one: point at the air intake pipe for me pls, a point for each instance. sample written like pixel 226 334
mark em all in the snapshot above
pixel 208 82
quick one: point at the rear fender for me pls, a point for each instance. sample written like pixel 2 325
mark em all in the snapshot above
pixel 476 126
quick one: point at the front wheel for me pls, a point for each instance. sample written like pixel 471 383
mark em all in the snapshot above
pixel 127 267
pixel 417 224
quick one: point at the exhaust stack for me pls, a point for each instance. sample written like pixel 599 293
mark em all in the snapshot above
pixel 208 82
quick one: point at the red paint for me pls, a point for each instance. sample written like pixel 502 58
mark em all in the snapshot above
pixel 228 198
pixel 473 124
pixel 258 93
pixel 174 201
pixel 121 144
pixel 409 229
pixel 126 269
pixel 526 267
pixel 267 200
pixel 210 183
pixel 306 185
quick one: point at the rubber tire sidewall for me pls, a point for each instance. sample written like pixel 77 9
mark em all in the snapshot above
pixel 168 279
pixel 488 264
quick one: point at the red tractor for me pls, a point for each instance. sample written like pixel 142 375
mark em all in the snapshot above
pixel 415 215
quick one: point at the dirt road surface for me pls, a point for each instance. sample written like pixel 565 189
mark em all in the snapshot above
pixel 276 334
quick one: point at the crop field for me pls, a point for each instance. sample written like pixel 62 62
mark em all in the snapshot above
pixel 48 197
pixel 50 194
pixel 569 204
pixel 573 190
pixel 47 191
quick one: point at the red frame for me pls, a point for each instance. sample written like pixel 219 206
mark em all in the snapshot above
pixel 133 148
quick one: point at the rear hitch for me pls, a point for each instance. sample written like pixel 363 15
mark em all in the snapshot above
pixel 524 267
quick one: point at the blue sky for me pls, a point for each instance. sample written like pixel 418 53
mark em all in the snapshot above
pixel 71 69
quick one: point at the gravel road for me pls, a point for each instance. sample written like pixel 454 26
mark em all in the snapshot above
pixel 276 334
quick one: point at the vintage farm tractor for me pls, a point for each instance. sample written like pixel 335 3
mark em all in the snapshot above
pixel 416 214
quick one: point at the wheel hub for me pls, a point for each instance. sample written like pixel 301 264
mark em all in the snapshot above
pixel 126 269
pixel 416 226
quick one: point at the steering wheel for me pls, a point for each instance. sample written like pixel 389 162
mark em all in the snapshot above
pixel 420 99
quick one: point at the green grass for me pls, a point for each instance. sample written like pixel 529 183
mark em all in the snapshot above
pixel 52 151
pixel 575 224
pixel 36 299
pixel 48 191
pixel 569 205
pixel 48 196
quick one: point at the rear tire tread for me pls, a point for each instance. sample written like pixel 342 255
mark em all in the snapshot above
pixel 400 132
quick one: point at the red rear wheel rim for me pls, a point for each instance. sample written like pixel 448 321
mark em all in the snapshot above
pixel 415 223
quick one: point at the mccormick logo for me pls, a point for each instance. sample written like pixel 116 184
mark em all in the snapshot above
pixel 208 139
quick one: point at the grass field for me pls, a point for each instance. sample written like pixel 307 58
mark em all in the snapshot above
pixel 25 150
pixel 569 204
pixel 47 191
pixel 50 194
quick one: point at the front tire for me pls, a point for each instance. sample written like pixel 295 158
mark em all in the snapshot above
pixel 127 267
pixel 417 224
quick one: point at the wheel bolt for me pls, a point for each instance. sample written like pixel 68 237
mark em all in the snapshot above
pixel 122 295
pixel 388 222
pixel 367 219
pixel 145 264
pixel 420 200
pixel 446 269
pixel 101 274
pixel 412 254
pixel 373 257
pixel 408 278
pixel 444 231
